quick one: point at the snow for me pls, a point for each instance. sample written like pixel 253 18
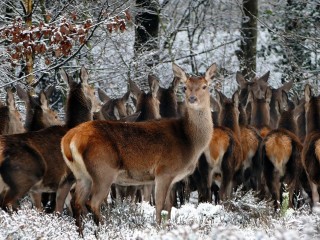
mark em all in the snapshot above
pixel 243 217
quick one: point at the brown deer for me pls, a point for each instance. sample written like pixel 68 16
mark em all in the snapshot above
pixel 147 105
pixel 257 85
pixel 112 108
pixel 32 162
pixel 275 101
pixel 162 151
pixel 281 154
pixel 11 120
pixel 224 154
pixel 260 111
pixel 311 147
pixel 39 115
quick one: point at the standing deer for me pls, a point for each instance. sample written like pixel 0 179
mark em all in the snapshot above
pixel 281 154
pixel 224 154
pixel 112 108
pixel 39 115
pixel 311 147
pixel 260 111
pixel 32 162
pixel 10 118
pixel 163 151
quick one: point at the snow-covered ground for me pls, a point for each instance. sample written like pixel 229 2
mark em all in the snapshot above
pixel 243 217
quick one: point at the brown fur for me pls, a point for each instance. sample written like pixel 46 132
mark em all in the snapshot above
pixel 163 151
pixel 10 118
pixel 33 161
pixel 281 151
pixel 310 154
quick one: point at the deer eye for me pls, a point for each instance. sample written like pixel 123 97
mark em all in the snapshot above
pixel 184 89
pixel 204 87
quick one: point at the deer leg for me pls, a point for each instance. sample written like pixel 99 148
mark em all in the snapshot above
pixel 61 196
pixel 315 193
pixel 162 185
pixel 36 199
pixel 81 195
pixel 226 186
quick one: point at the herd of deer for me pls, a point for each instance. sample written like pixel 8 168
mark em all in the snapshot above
pixel 258 139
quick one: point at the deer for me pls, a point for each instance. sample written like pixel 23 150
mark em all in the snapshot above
pixel 32 162
pixel 281 154
pixel 260 111
pixel 311 147
pixel 112 108
pixel 39 115
pixel 162 151
pixel 224 154
pixel 147 108
pixel 11 120
pixel 257 85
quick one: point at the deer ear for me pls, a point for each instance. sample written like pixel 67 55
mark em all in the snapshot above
pixel 287 86
pixel 265 77
pixel 66 78
pixel 235 99
pixel 219 98
pixel 214 104
pixel 211 72
pixel 125 97
pixel 44 101
pixel 307 93
pixel 175 84
pixel 250 98
pixel 116 113
pixel 268 95
pixel 241 80
pixel 84 75
pixel 284 99
pixel 49 91
pixel 179 72
pixel 103 96
pixel 22 94
pixel 278 107
pixel 10 100
pixel 134 89
pixel 153 84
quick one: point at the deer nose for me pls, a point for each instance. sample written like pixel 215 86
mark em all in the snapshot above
pixel 192 99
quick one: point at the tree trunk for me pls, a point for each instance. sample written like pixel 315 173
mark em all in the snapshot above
pixel 146 35
pixel 248 46
pixel 28 6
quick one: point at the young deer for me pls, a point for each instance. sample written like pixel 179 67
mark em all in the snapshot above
pixel 224 154
pixel 281 154
pixel 162 151
pixel 112 109
pixel 311 147
pixel 257 85
pixel 10 117
pixel 32 162
pixel 260 112
pixel 39 115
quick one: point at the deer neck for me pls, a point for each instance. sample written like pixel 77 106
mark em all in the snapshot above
pixel 198 126
pixel 287 122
